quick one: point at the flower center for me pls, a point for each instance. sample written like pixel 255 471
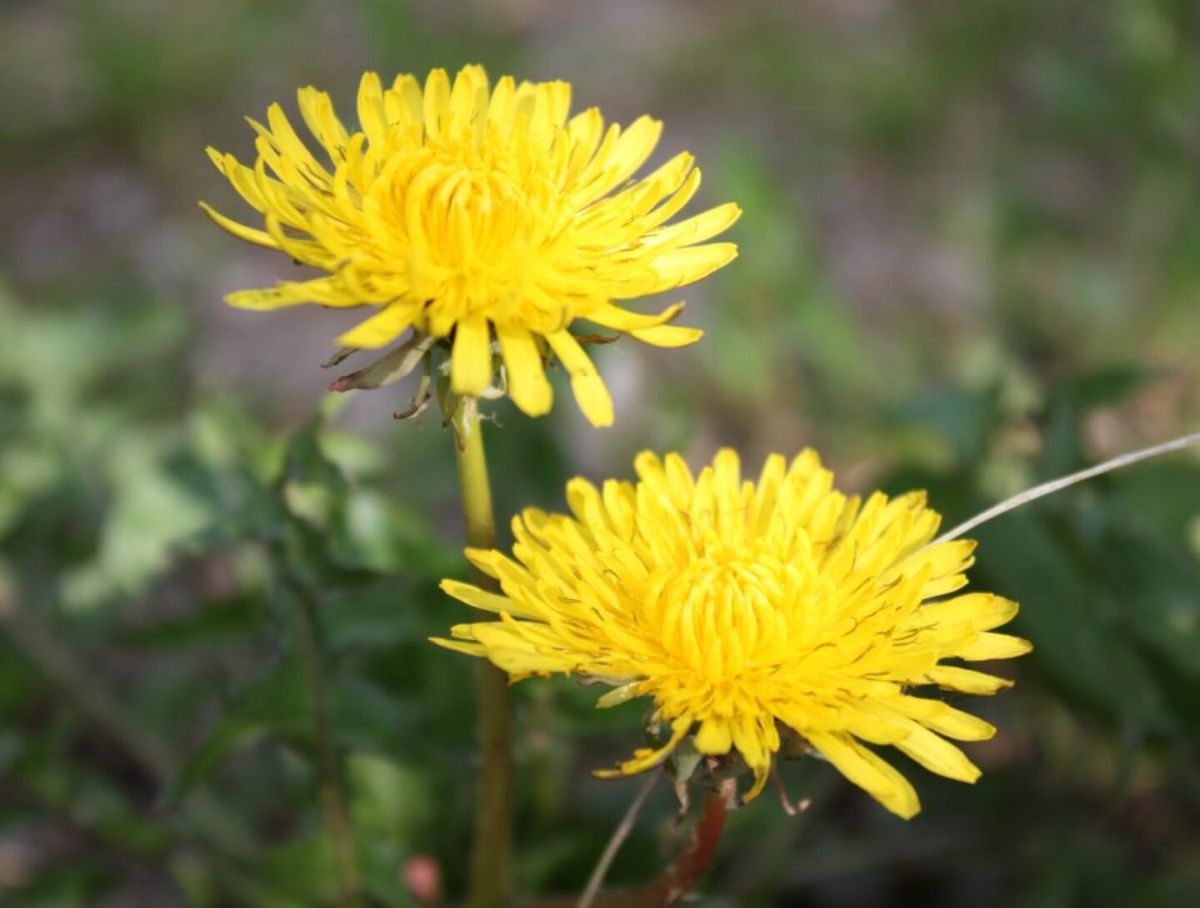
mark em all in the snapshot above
pixel 729 611
pixel 475 222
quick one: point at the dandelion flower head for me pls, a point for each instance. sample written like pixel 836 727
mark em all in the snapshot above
pixel 475 214
pixel 752 612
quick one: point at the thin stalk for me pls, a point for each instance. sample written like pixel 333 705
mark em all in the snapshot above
pixel 330 782
pixel 620 834
pixel 677 880
pixel 491 858
pixel 1055 485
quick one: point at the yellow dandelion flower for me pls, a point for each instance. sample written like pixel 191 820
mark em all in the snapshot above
pixel 750 610
pixel 473 212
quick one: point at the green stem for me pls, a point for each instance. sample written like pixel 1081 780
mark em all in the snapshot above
pixel 624 828
pixel 330 783
pixel 491 858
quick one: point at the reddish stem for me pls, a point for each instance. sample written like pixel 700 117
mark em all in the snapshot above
pixel 681 876
pixel 685 871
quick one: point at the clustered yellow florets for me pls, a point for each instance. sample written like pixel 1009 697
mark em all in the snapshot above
pixel 745 608
pixel 473 212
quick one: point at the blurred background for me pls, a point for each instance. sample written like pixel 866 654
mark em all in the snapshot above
pixel 970 261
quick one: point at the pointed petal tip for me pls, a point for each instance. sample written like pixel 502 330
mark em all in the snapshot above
pixel 252 300
pixel 668 336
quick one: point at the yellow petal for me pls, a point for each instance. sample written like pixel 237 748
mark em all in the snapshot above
pixel 620 154
pixel 459 646
pixel 584 130
pixel 554 102
pixel 293 149
pixel 508 649
pixel 947 562
pixel 619 319
pixel 651 329
pixel 944 718
pixel 589 388
pixel 689 183
pixel 750 738
pixel 761 775
pixel 242 178
pixel 380 329
pixel 714 737
pixel 324 291
pixel 647 758
pixel 994 646
pixel 471 364
pixel 684 266
pixel 437 101
pixel 402 102
pixel 489 602
pixel 468 99
pixel 487 560
pixel 527 382
pixel 869 772
pixel 520 662
pixel 697 228
pixel 668 335
pixel 241 231
pixel 876 726
pixel 316 108
pixel 981 611
pixel 619 695
pixel 371 113
pixel 938 755
pixel 966 680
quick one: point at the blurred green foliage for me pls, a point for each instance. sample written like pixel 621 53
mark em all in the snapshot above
pixel 970 261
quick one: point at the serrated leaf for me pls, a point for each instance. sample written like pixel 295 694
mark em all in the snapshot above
pixel 275 705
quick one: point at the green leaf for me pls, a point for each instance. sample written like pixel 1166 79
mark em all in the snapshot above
pixel 211 624
pixel 275 705
pixel 1076 630
pixel 372 618
pixel 963 417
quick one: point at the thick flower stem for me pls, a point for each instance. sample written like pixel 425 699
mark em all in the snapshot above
pixel 492 855
pixel 330 783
